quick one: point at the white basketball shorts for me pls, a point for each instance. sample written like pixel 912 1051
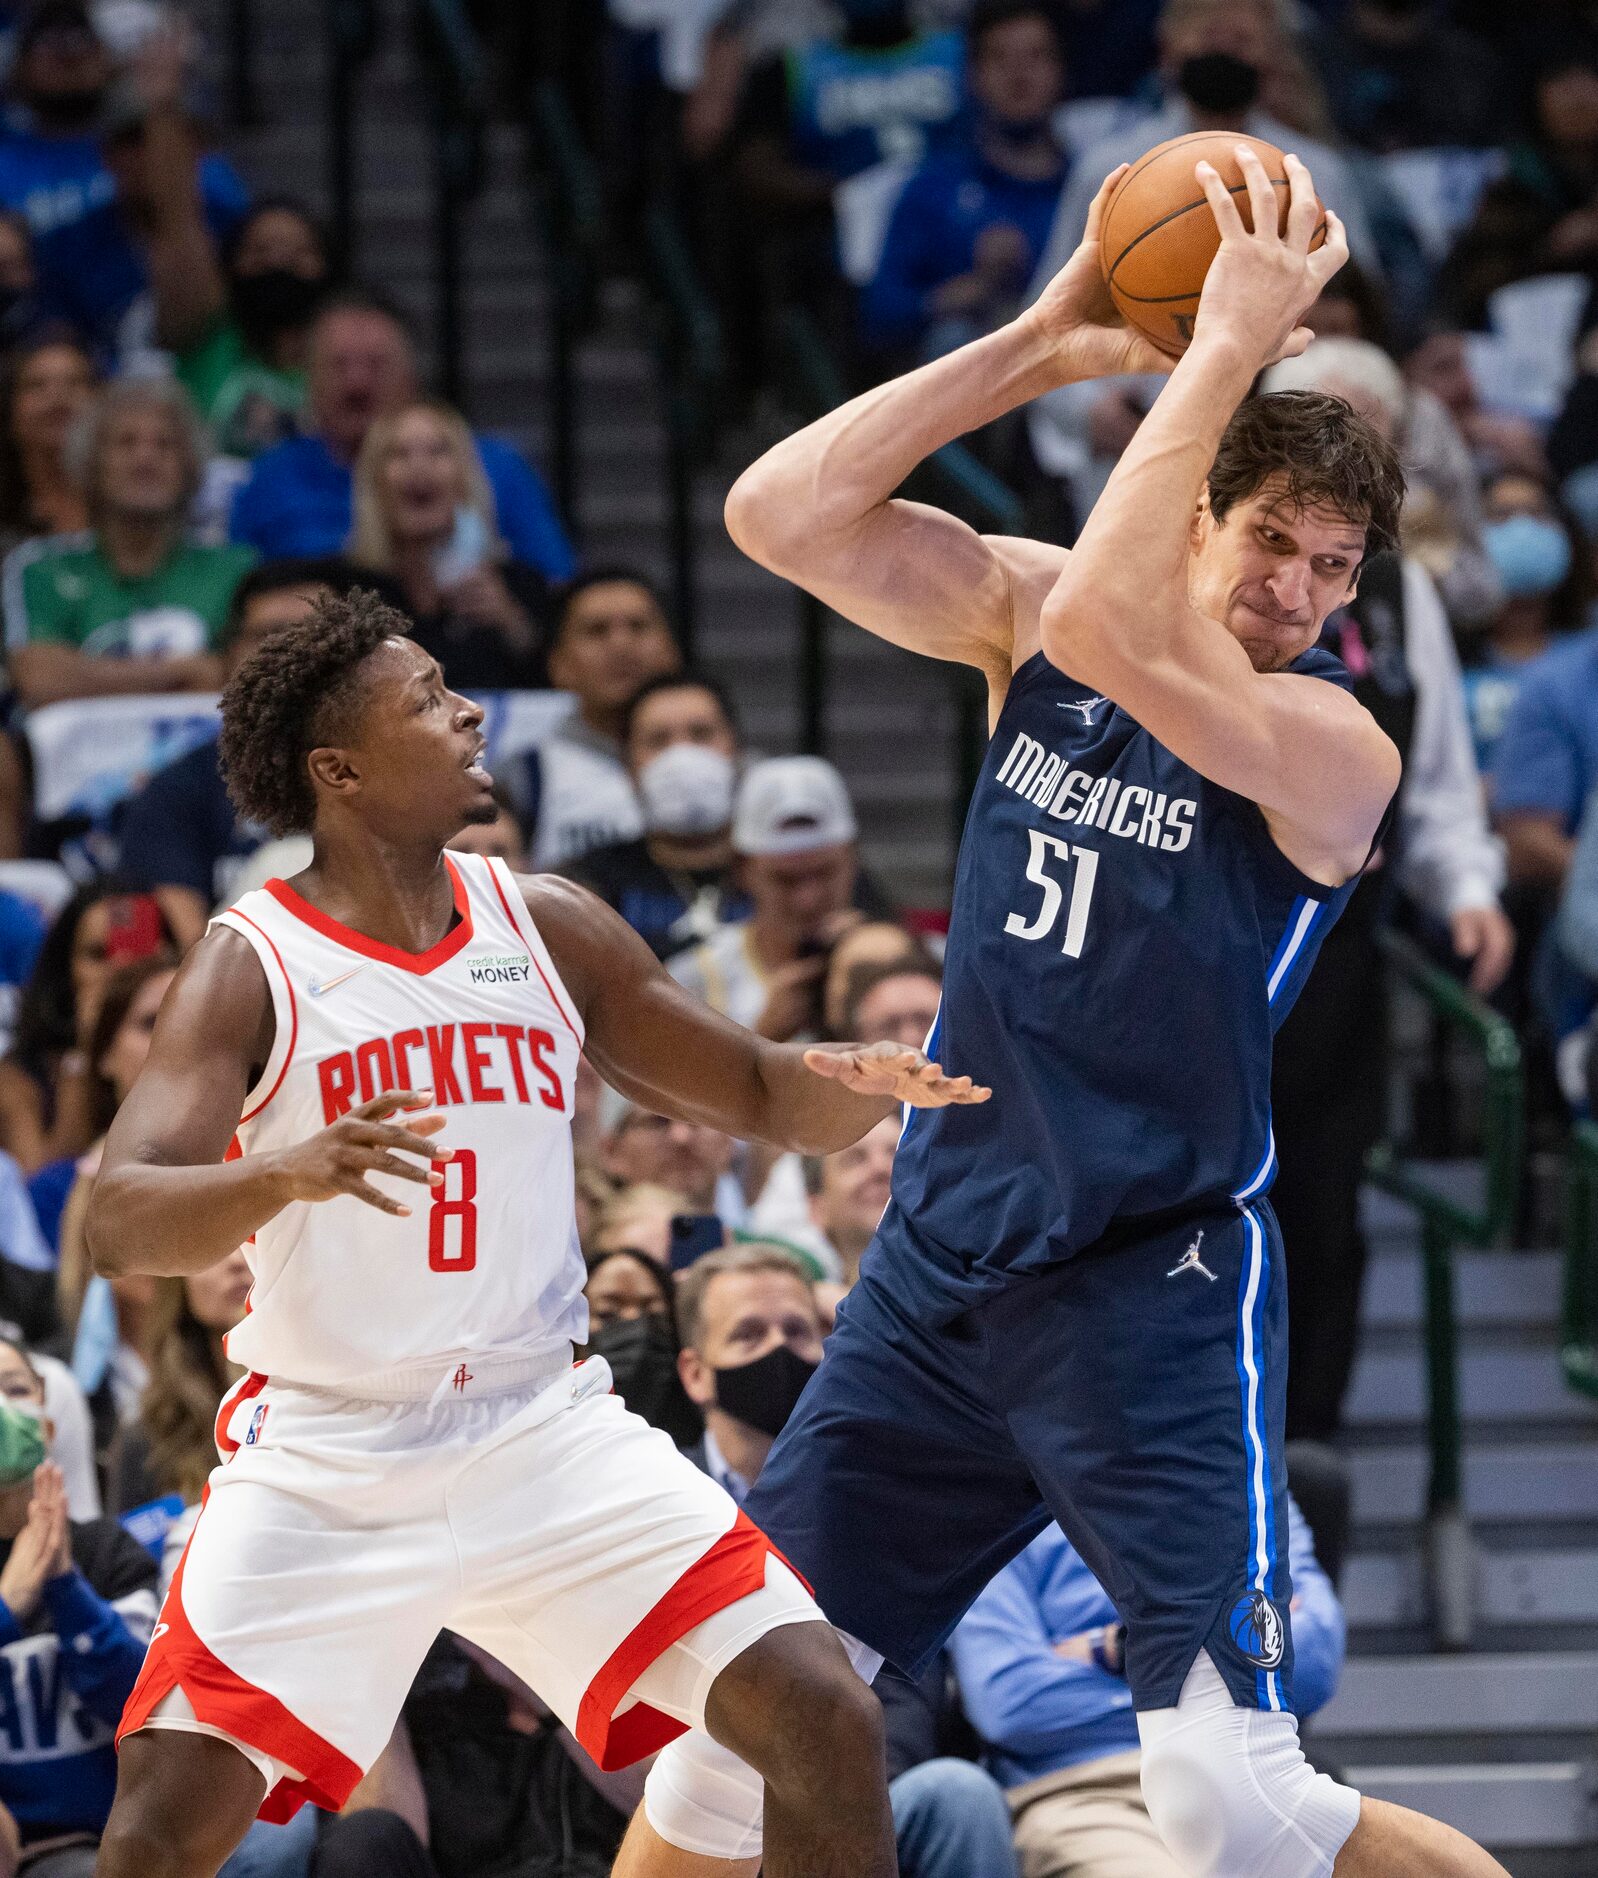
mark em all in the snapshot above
pixel 540 1519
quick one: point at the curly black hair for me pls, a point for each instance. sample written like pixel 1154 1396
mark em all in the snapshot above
pixel 293 696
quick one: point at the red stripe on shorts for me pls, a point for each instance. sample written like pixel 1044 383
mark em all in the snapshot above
pixel 733 1567
pixel 221 1699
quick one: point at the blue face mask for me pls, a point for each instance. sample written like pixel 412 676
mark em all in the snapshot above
pixel 1531 554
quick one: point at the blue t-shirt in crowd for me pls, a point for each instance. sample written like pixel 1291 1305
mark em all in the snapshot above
pixel 1040 1712
pixel 90 268
pixel 21 935
pixel 851 106
pixel 1491 687
pixel 297 502
pixel 181 829
pixel 1547 759
pixel 932 236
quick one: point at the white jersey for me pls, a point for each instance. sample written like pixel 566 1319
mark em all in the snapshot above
pixel 488 1265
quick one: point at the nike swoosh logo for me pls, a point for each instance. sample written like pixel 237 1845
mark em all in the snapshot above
pixel 320 989
pixel 159 1631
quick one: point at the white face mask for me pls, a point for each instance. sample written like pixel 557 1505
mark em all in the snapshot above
pixel 687 790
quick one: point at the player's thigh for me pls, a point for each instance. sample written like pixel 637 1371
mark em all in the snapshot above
pixel 296 1619
pixel 896 1489
pixel 1145 1385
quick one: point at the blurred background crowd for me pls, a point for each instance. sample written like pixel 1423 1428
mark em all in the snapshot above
pixel 209 416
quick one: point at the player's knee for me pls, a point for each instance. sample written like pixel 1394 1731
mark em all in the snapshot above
pixel 799 1714
pixel 155 1829
pixel 1240 1801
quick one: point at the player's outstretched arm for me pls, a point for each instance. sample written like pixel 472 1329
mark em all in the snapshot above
pixel 657 1043
pixel 164 1201
pixel 819 508
pixel 1119 617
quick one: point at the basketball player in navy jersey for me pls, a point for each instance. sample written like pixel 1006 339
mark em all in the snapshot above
pixel 1075 1302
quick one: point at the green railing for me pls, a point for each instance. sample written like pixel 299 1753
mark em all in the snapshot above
pixel 1446 1224
pixel 1579 1342
pixel 570 203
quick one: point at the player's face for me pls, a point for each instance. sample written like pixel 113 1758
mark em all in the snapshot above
pixel 1272 573
pixel 418 755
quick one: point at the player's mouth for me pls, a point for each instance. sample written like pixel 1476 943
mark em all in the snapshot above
pixel 474 763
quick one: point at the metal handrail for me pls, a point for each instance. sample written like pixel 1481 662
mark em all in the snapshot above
pixel 352 33
pixel 1445 1223
pixel 690 362
pixel 570 201
pixel 244 106
pixel 1579 1338
pixel 456 78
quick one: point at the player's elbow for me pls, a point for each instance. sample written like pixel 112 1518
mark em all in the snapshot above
pixel 754 512
pixel 110 1248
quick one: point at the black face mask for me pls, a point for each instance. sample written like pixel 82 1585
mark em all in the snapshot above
pixel 642 1354
pixel 764 1393
pixel 275 301
pixel 68 110
pixel 19 313
pixel 1218 83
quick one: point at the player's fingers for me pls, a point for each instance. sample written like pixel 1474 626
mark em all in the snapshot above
pixel 834 1064
pixel 1303 211
pixel 1296 342
pixel 389 1101
pixel 1332 252
pixel 381 1201
pixel 403 1140
pixel 405 1170
pixel 1220 200
pixel 1106 190
pixel 1262 204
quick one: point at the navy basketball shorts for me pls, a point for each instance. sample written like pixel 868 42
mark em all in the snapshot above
pixel 1135 1393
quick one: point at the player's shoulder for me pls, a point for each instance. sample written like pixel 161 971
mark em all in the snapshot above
pixel 1031 569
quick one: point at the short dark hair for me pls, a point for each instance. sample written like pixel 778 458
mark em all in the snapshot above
pixel 284 204
pixel 988 16
pixel 295 694
pixel 327 570
pixel 603 576
pixel 688 679
pixel 1326 454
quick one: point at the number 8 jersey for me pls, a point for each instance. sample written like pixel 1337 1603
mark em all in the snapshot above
pixel 487 1266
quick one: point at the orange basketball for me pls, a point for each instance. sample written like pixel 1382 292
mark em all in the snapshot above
pixel 1159 234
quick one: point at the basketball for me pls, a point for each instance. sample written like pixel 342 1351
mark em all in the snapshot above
pixel 1159 234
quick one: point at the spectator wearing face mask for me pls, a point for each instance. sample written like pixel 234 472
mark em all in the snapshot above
pixel 752 1335
pixel 133 605
pixel 632 1324
pixel 967 231
pixel 77 1606
pixel 574 792
pixel 677 881
pixel 1544 568
pixel 360 363
pixel 89 174
pixel 795 834
pixel 1215 58
pixel 237 314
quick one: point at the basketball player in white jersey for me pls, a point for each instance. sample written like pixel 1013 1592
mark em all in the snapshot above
pixel 366 1078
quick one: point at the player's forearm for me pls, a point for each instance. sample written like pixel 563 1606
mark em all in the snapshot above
pixel 806 1113
pixel 170 1221
pixel 1127 574
pixel 815 486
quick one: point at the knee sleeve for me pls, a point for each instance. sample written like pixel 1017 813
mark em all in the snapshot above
pixel 701 1798
pixel 1230 1792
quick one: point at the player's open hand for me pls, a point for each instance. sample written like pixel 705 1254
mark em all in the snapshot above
pixel 365 1142
pixel 1080 319
pixel 1264 280
pixel 889 1069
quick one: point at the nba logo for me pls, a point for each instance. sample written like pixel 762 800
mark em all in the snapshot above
pixel 257 1422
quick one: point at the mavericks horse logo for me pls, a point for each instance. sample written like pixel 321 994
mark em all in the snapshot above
pixel 1256 1629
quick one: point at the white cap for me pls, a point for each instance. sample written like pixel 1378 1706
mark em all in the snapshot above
pixel 792 805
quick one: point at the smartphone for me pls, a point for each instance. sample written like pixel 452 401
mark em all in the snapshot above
pixel 692 1236
pixel 464 552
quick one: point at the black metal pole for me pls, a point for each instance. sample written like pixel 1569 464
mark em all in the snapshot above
pixel 341 131
pixel 449 201
pixel 680 520
pixel 244 104
pixel 812 675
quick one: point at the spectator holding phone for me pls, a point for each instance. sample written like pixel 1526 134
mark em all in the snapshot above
pixel 424 515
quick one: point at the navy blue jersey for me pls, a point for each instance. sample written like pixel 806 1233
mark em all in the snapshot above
pixel 1126 936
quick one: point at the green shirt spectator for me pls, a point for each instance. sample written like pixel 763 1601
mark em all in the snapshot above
pixel 131 605
pixel 247 402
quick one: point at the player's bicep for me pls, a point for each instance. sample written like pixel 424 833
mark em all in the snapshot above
pixel 213 1031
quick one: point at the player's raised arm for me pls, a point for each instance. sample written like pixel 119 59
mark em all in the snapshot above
pixel 165 1201
pixel 819 508
pixel 658 1044
pixel 1189 632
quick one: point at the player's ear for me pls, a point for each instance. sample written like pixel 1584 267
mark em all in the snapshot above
pixel 1202 520
pixel 334 770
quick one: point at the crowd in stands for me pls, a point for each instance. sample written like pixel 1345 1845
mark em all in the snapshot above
pixel 205 424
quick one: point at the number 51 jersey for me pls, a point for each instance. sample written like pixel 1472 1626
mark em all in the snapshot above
pixel 1126 936
pixel 487 1265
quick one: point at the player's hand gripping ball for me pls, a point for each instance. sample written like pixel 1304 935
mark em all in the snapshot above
pixel 1159 233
